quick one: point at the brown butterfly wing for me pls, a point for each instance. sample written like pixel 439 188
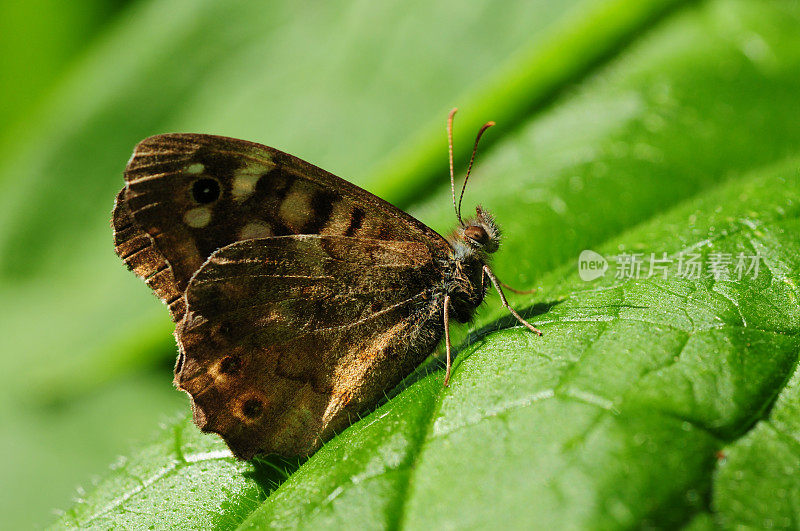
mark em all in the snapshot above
pixel 187 195
pixel 138 250
pixel 287 339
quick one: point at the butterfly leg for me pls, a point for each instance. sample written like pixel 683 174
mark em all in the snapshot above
pixel 499 289
pixel 447 338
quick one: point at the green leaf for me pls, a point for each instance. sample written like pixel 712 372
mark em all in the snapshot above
pixel 641 403
pixel 756 483
pixel 192 478
pixel 613 418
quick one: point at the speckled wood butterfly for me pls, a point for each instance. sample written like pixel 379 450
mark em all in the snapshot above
pixel 299 297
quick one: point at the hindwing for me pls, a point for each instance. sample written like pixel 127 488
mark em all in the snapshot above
pixel 287 338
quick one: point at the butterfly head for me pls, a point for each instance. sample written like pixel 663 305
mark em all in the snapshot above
pixel 481 233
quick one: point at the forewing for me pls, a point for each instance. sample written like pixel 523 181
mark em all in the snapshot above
pixel 187 195
pixel 286 339
pixel 137 248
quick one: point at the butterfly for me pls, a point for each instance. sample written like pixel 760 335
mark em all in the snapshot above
pixel 298 297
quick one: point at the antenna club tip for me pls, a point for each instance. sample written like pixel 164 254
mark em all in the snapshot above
pixel 453 111
pixel 490 124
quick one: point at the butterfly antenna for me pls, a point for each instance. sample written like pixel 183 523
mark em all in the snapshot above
pixel 486 126
pixel 450 153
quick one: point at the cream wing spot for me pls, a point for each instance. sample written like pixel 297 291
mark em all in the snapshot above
pixel 296 208
pixel 196 168
pixel 255 229
pixel 245 180
pixel 197 217
pixel 340 218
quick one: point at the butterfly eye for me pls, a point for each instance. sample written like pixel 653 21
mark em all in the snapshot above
pixel 205 191
pixel 252 408
pixel 477 234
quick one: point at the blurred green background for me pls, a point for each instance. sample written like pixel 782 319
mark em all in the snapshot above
pixel 359 88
